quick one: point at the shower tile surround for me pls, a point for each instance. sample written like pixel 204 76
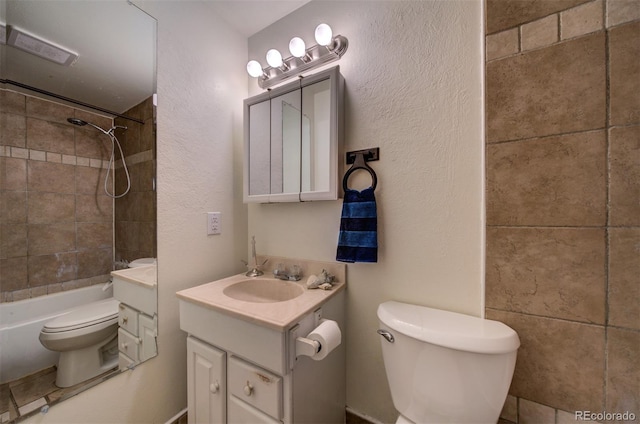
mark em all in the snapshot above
pixel 56 223
pixel 563 210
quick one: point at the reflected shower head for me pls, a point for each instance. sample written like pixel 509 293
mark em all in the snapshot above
pixel 76 121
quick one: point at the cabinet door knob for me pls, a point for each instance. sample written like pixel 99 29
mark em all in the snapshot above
pixel 124 346
pixel 248 389
pixel 124 320
pixel 214 387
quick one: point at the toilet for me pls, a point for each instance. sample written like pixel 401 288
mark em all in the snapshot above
pixel 445 367
pixel 87 339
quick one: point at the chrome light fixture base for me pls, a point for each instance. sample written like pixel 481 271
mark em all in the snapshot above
pixel 315 56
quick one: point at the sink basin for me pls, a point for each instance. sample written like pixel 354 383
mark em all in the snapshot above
pixel 263 290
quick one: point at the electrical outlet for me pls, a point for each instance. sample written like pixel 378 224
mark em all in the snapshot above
pixel 214 223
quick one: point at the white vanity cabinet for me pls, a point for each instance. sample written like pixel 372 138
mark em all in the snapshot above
pixel 136 289
pixel 243 371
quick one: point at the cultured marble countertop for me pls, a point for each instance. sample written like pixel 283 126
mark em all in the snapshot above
pixel 276 315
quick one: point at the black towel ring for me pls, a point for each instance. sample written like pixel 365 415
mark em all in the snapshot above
pixel 360 163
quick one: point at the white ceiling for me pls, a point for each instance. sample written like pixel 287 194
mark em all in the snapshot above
pixel 115 68
pixel 251 16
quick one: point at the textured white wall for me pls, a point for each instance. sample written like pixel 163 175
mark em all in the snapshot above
pixel 413 76
pixel 200 91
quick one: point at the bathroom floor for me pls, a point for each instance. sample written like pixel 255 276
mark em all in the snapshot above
pixel 25 395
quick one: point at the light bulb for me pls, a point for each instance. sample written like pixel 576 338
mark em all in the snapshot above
pixel 324 35
pixel 254 68
pixel 274 58
pixel 297 47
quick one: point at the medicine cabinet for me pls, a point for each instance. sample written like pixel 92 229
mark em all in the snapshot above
pixel 291 140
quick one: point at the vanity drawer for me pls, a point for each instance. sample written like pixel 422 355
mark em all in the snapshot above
pixel 255 386
pixel 128 318
pixel 128 344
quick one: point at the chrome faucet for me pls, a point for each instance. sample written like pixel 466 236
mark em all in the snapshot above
pixel 295 274
pixel 255 271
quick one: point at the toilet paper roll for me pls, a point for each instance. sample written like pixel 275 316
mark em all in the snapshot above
pixel 328 335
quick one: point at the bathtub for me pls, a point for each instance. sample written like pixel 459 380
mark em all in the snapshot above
pixel 20 323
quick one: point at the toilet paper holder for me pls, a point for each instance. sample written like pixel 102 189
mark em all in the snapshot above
pixel 307 347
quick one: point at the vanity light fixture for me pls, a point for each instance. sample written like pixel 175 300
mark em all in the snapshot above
pixel 328 49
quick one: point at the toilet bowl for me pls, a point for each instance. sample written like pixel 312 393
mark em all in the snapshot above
pixel 87 339
pixel 445 367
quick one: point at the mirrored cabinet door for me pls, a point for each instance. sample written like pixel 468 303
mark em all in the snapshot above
pixel 286 112
pixel 292 155
pixel 259 150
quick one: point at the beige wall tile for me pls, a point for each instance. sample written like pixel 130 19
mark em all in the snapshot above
pixel 624 69
pixel 49 269
pixel 623 371
pixel 97 235
pixel 550 181
pixel 12 102
pixel 559 362
pixel 553 272
pixel 502 44
pixel 540 33
pixel 94 208
pixel 624 277
pixel 13 240
pixel 13 207
pixel 49 111
pixel 18 152
pixel 50 136
pixel 46 239
pixel 50 177
pixel 94 262
pixel 91 143
pixel 535 413
pixel 51 208
pixel 504 14
pixel 622 11
pixel 624 176
pixel 581 20
pixel 90 180
pixel 13 274
pixel 13 174
pixel 14 130
pixel 554 90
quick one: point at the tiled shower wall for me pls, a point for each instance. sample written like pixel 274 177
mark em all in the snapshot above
pixel 135 220
pixel 56 230
pixel 56 223
pixel 563 202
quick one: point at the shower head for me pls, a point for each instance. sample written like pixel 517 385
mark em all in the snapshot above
pixel 76 121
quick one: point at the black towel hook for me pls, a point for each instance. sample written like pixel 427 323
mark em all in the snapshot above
pixel 359 159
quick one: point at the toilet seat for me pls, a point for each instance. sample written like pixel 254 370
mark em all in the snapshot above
pixel 101 312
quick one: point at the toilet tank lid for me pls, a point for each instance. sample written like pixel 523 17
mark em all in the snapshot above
pixel 449 329
pixel 93 312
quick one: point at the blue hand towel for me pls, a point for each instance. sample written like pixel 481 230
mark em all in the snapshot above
pixel 358 238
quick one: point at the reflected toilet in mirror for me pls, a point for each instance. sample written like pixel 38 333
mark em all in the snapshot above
pixel 88 233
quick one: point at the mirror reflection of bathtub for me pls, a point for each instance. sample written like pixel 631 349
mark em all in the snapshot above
pixel 61 235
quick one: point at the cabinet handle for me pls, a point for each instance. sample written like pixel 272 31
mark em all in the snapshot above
pixel 125 320
pixel 124 346
pixel 248 389
pixel 214 387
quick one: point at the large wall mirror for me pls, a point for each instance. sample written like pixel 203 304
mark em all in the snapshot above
pixel 73 75
pixel 292 138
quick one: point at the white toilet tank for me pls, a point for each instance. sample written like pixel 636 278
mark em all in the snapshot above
pixel 445 367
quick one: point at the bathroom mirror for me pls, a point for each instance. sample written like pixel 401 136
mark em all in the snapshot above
pixel 59 254
pixel 292 138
